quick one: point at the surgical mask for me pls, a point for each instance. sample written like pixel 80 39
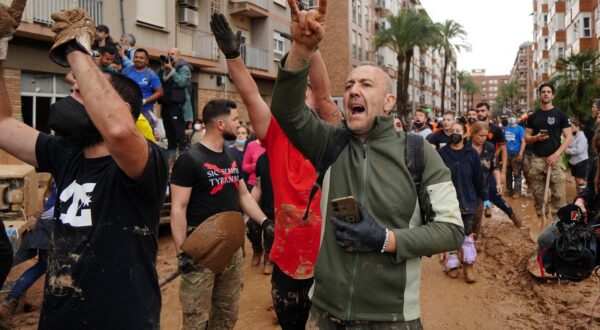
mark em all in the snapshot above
pixel 197 127
pixel 71 123
pixel 512 121
pixel 455 138
pixel 471 120
pixel 240 141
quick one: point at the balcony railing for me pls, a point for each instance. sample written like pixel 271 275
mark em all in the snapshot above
pixel 255 58
pixel 197 43
pixel 260 3
pixel 39 11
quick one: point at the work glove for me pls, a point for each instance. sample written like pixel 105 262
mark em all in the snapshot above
pixel 185 263
pixel 267 226
pixel 227 41
pixel 486 204
pixel 364 236
pixel 75 31
pixel 10 17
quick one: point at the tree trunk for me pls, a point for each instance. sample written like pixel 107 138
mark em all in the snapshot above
pixel 400 98
pixel 446 59
pixel 405 82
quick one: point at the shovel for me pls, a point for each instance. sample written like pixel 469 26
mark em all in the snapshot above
pixel 546 188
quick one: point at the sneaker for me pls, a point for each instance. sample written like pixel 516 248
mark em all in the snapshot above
pixel 268 268
pixel 468 273
pixel 256 259
pixel 452 273
pixel 515 219
pixel 488 212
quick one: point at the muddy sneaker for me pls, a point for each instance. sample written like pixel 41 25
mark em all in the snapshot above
pixel 256 259
pixel 8 307
pixel 488 212
pixel 515 219
pixel 268 268
pixel 452 273
pixel 468 273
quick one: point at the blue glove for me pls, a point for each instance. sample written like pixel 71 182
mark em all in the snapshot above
pixel 486 204
pixel 364 236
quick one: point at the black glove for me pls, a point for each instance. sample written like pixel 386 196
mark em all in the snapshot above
pixel 267 226
pixel 185 263
pixel 364 236
pixel 229 43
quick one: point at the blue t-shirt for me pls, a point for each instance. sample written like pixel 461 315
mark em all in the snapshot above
pixel 147 80
pixel 514 136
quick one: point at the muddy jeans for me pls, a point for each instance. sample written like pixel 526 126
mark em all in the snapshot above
pixel 290 299
pixel 513 174
pixel 319 319
pixel 537 180
pixel 211 301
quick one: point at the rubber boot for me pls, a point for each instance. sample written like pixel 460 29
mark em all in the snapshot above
pixel 516 220
pixel 468 273
pixel 8 307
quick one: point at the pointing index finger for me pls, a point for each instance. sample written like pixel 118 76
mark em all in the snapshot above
pixel 322 7
pixel 294 9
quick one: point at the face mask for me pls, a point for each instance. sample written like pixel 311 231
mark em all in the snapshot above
pixel 512 121
pixel 471 120
pixel 240 141
pixel 197 127
pixel 71 123
pixel 418 124
pixel 455 138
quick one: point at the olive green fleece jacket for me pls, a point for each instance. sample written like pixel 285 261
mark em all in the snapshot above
pixel 371 286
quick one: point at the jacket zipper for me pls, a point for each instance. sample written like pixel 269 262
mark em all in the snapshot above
pixel 357 256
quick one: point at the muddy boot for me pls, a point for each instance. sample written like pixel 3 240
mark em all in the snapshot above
pixel 268 267
pixel 515 219
pixel 8 307
pixel 452 273
pixel 256 258
pixel 488 212
pixel 468 273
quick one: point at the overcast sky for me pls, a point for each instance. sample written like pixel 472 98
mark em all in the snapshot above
pixel 495 30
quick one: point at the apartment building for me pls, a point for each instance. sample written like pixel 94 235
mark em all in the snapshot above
pixel 351 31
pixel 522 74
pixel 489 88
pixel 562 28
pixel 35 82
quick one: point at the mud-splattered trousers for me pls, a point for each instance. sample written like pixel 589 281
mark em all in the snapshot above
pixel 211 301
pixel 290 299
pixel 537 179
pixel 322 320
pixel 6 254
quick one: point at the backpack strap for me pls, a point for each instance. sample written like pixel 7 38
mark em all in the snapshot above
pixel 332 151
pixel 414 158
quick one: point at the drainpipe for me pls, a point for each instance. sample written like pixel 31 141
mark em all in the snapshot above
pixel 122 17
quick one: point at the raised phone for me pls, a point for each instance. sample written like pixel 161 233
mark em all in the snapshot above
pixel 346 208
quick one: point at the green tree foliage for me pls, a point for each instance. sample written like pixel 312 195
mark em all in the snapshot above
pixel 452 38
pixel 576 83
pixel 509 94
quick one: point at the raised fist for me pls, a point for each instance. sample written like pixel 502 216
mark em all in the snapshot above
pixel 75 31
pixel 10 17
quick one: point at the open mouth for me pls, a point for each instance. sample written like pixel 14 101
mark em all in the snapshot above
pixel 356 109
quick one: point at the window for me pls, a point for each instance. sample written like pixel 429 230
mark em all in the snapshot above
pixel 587 27
pixel 545 20
pixel 359 12
pixel 278 46
pixel 354 11
pixel 38 92
pixel 153 12
pixel 281 2
pixel 561 52
pixel 354 44
pixel 360 46
pixel 367 19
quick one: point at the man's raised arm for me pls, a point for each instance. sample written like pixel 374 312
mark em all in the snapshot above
pixel 107 110
pixel 259 113
pixel 17 138
pixel 319 80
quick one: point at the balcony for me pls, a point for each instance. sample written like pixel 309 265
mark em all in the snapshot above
pixel 39 11
pixel 249 8
pixel 194 42
pixel 255 58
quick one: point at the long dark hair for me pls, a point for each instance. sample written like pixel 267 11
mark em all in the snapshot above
pixel 596 145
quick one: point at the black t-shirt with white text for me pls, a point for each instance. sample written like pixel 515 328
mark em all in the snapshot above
pixel 101 269
pixel 439 139
pixel 213 177
pixel 554 121
pixel 266 198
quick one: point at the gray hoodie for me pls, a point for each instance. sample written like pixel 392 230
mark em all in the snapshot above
pixel 578 150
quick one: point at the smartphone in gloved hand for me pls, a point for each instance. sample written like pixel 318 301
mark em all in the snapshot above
pixel 346 208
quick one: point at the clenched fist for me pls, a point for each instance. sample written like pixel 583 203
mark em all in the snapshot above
pixel 75 31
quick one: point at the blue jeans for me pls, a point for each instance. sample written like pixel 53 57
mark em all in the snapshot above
pixel 29 277
pixel 497 198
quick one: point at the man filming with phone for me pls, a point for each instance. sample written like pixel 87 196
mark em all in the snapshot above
pixel 176 78
pixel 543 133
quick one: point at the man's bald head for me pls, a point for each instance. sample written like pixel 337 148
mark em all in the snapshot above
pixel 175 53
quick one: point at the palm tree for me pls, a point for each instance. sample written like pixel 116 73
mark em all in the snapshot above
pixel 575 83
pixel 408 29
pixel 462 78
pixel 452 38
pixel 469 87
pixel 510 92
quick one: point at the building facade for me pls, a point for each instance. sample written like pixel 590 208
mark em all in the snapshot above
pixel 522 74
pixel 489 88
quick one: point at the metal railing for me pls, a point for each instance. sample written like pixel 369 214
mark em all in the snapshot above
pixel 94 8
pixel 40 11
pixel 255 58
pixel 197 43
pixel 260 3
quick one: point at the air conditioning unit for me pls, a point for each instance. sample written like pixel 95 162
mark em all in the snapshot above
pixel 188 3
pixel 188 16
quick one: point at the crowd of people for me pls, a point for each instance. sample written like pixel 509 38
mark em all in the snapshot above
pixel 339 206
